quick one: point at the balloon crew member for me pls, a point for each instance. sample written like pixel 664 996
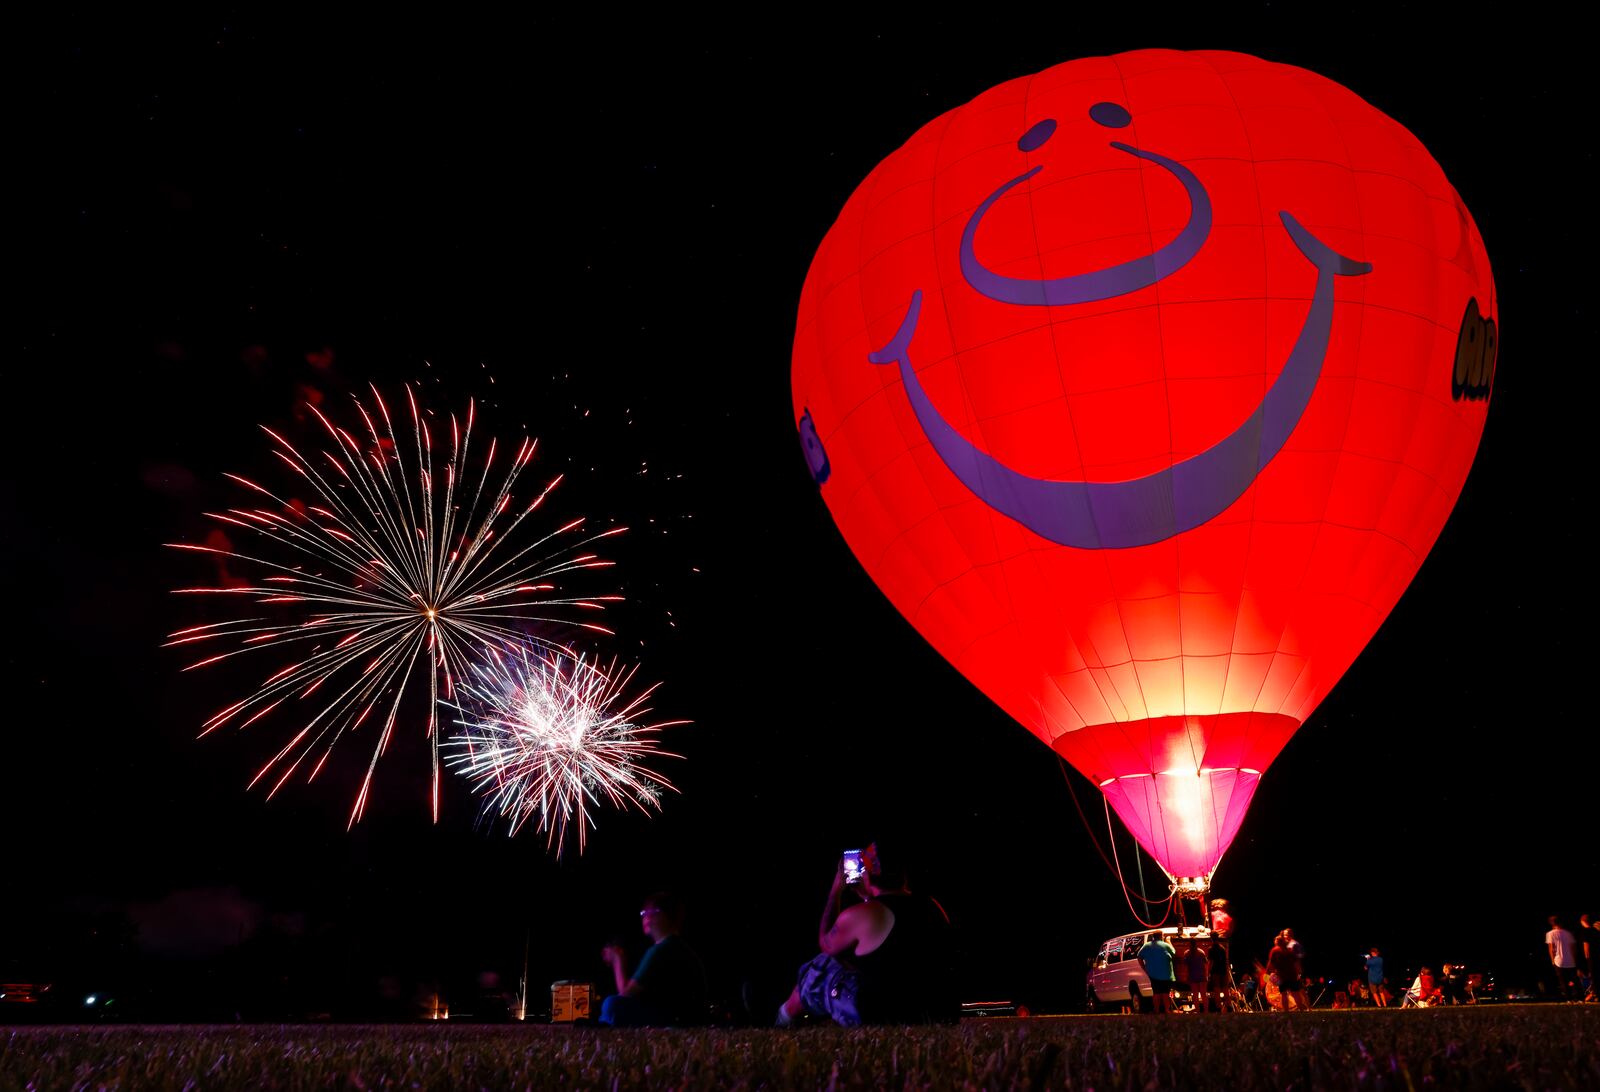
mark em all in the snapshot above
pixel 1222 929
pixel 1157 957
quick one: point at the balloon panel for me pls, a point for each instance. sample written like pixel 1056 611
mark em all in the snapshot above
pixel 1145 419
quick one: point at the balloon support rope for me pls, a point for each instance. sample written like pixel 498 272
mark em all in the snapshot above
pixel 1127 894
pixel 1093 838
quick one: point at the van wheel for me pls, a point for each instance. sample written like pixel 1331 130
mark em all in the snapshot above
pixel 1091 1001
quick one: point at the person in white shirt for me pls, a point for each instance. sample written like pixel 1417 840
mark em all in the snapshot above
pixel 1563 948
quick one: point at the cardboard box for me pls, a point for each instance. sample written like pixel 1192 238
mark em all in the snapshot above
pixel 571 1001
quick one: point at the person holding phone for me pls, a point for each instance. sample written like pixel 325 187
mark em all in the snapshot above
pixel 885 957
pixel 1377 984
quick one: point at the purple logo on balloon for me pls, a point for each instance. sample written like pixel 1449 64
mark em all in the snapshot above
pixel 811 444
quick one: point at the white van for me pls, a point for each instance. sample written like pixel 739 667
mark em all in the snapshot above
pixel 1115 970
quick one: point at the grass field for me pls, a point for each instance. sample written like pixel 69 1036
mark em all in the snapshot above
pixel 1521 1047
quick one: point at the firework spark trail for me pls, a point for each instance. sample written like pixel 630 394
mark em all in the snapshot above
pixel 546 736
pixel 382 571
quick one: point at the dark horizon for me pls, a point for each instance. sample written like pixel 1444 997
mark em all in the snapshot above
pixel 601 235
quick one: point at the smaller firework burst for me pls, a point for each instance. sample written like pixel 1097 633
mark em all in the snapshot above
pixel 547 736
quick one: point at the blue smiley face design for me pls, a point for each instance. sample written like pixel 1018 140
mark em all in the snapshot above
pixel 1139 511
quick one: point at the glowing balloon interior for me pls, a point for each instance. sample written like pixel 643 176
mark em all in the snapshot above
pixel 1142 386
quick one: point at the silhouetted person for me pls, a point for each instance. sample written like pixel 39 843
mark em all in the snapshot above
pixel 668 987
pixel 1284 967
pixel 1589 949
pixel 1195 967
pixel 1220 976
pixel 884 960
pixel 1302 999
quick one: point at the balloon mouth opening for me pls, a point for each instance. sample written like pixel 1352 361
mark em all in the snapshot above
pixel 1184 819
pixel 1181 785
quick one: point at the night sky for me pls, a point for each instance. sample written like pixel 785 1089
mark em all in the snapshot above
pixel 600 231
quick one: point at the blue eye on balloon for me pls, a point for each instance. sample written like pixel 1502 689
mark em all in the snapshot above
pixel 1110 115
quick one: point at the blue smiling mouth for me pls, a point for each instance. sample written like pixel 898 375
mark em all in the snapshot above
pixel 1139 511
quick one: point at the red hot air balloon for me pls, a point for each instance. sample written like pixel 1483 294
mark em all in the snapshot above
pixel 1142 386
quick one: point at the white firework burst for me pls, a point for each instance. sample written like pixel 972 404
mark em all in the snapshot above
pixel 546 737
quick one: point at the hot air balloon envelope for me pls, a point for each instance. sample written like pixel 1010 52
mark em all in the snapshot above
pixel 1142 386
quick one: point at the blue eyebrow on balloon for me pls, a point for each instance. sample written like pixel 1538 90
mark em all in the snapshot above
pixel 1037 135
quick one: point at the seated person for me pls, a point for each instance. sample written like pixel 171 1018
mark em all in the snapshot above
pixel 1453 987
pixel 1249 988
pixel 668 987
pixel 1424 991
pixel 885 959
